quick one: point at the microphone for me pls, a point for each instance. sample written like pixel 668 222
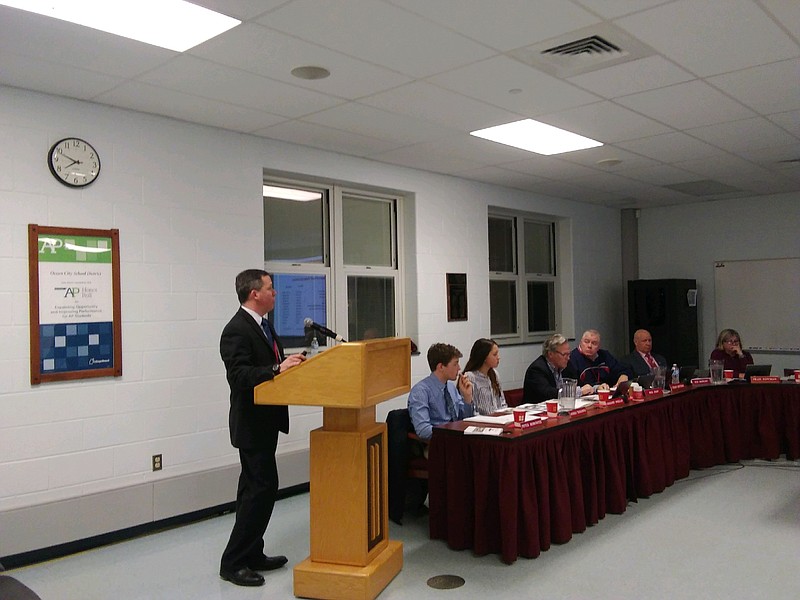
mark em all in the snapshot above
pixel 322 329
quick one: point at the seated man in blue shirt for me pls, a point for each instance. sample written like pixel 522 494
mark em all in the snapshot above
pixel 437 399
pixel 595 366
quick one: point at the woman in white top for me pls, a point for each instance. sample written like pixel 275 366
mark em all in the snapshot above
pixel 487 396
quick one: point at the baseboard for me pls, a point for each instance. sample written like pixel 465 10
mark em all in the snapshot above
pixel 46 531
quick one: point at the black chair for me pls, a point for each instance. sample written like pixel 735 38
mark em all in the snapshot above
pixel 406 461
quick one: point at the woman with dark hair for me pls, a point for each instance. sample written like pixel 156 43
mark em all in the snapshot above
pixel 487 396
pixel 729 351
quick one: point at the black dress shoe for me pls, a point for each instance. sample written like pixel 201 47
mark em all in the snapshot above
pixel 269 563
pixel 243 576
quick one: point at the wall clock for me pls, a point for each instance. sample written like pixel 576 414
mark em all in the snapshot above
pixel 74 162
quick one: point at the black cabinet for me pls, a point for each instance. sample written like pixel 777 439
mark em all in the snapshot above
pixel 667 309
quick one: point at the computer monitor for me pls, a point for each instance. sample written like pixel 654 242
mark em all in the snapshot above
pixel 751 370
pixel 687 372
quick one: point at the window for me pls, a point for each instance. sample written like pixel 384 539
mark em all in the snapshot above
pixel 524 287
pixel 334 253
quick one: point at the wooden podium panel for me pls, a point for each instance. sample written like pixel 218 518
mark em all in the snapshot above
pixel 350 375
pixel 351 555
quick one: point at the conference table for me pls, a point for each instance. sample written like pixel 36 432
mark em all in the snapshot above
pixel 518 493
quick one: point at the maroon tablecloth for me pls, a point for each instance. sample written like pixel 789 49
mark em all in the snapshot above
pixel 515 497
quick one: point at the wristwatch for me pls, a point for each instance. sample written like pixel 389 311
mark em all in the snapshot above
pixel 276 369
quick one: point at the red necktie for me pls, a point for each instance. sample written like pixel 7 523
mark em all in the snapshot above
pixel 650 361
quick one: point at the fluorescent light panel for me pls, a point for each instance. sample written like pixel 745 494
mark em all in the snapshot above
pixel 271 191
pixel 534 136
pixel 172 24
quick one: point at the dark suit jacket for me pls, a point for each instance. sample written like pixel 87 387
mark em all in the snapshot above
pixel 635 361
pixel 248 360
pixel 540 385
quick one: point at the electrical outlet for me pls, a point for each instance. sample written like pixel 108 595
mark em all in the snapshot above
pixel 156 462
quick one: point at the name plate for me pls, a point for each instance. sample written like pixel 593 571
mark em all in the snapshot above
pixel 765 379
pixel 701 380
pixel 656 393
pixel 577 412
pixel 677 387
pixel 611 402
pixel 530 424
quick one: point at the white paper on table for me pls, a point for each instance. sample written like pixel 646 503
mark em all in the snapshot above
pixel 498 420
pixel 473 430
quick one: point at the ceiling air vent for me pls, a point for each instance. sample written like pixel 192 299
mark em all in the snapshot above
pixel 583 51
pixel 590 45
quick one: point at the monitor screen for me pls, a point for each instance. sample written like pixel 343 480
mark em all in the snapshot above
pixel 750 370
pixel 299 296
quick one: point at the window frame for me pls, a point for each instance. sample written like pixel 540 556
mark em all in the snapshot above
pixel 562 284
pixel 333 266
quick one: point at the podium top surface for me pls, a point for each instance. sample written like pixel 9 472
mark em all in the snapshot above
pixel 349 375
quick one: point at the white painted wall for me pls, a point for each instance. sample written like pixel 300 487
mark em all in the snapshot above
pixel 187 202
pixel 686 241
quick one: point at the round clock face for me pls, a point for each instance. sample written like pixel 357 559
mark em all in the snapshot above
pixel 74 162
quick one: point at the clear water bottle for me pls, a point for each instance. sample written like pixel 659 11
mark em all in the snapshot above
pixel 676 375
pixel 314 346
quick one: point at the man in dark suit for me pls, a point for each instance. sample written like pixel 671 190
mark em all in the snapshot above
pixel 545 375
pixel 642 360
pixel 252 354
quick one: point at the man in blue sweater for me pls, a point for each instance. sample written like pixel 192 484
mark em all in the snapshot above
pixel 595 366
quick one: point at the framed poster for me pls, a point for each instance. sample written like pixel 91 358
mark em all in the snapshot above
pixel 456 296
pixel 75 325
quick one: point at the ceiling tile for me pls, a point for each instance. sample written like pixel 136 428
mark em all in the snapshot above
pixel 63 43
pixel 319 136
pixel 437 105
pixel 605 122
pixel 669 105
pixel 494 79
pixel 380 33
pixel 611 9
pixel 515 23
pixel 790 121
pixel 632 77
pixel 715 37
pixel 240 9
pixel 670 147
pixel 208 80
pixel 737 136
pixel 658 174
pixel 40 75
pixel 157 100
pixel 273 54
pixel 787 12
pixel 781 79
pixel 373 122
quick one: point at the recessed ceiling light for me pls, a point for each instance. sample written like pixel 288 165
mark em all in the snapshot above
pixel 172 24
pixel 608 162
pixel 310 72
pixel 534 136
pixel 272 191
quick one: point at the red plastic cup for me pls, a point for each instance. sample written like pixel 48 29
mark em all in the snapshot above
pixel 728 373
pixel 797 375
pixel 604 394
pixel 552 407
pixel 519 416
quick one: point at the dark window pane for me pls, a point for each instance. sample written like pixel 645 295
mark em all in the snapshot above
pixel 298 296
pixel 538 248
pixel 370 308
pixel 367 228
pixel 502 307
pixel 501 245
pixel 541 306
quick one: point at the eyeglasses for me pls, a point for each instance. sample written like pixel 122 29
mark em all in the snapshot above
pixel 561 354
pixel 731 341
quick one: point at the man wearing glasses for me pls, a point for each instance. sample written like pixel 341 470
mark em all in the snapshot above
pixel 546 374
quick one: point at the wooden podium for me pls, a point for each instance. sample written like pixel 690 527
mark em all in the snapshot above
pixel 351 555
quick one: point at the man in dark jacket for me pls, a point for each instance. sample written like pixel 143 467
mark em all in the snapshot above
pixel 253 353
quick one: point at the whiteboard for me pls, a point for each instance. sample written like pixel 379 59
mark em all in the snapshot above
pixel 761 300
